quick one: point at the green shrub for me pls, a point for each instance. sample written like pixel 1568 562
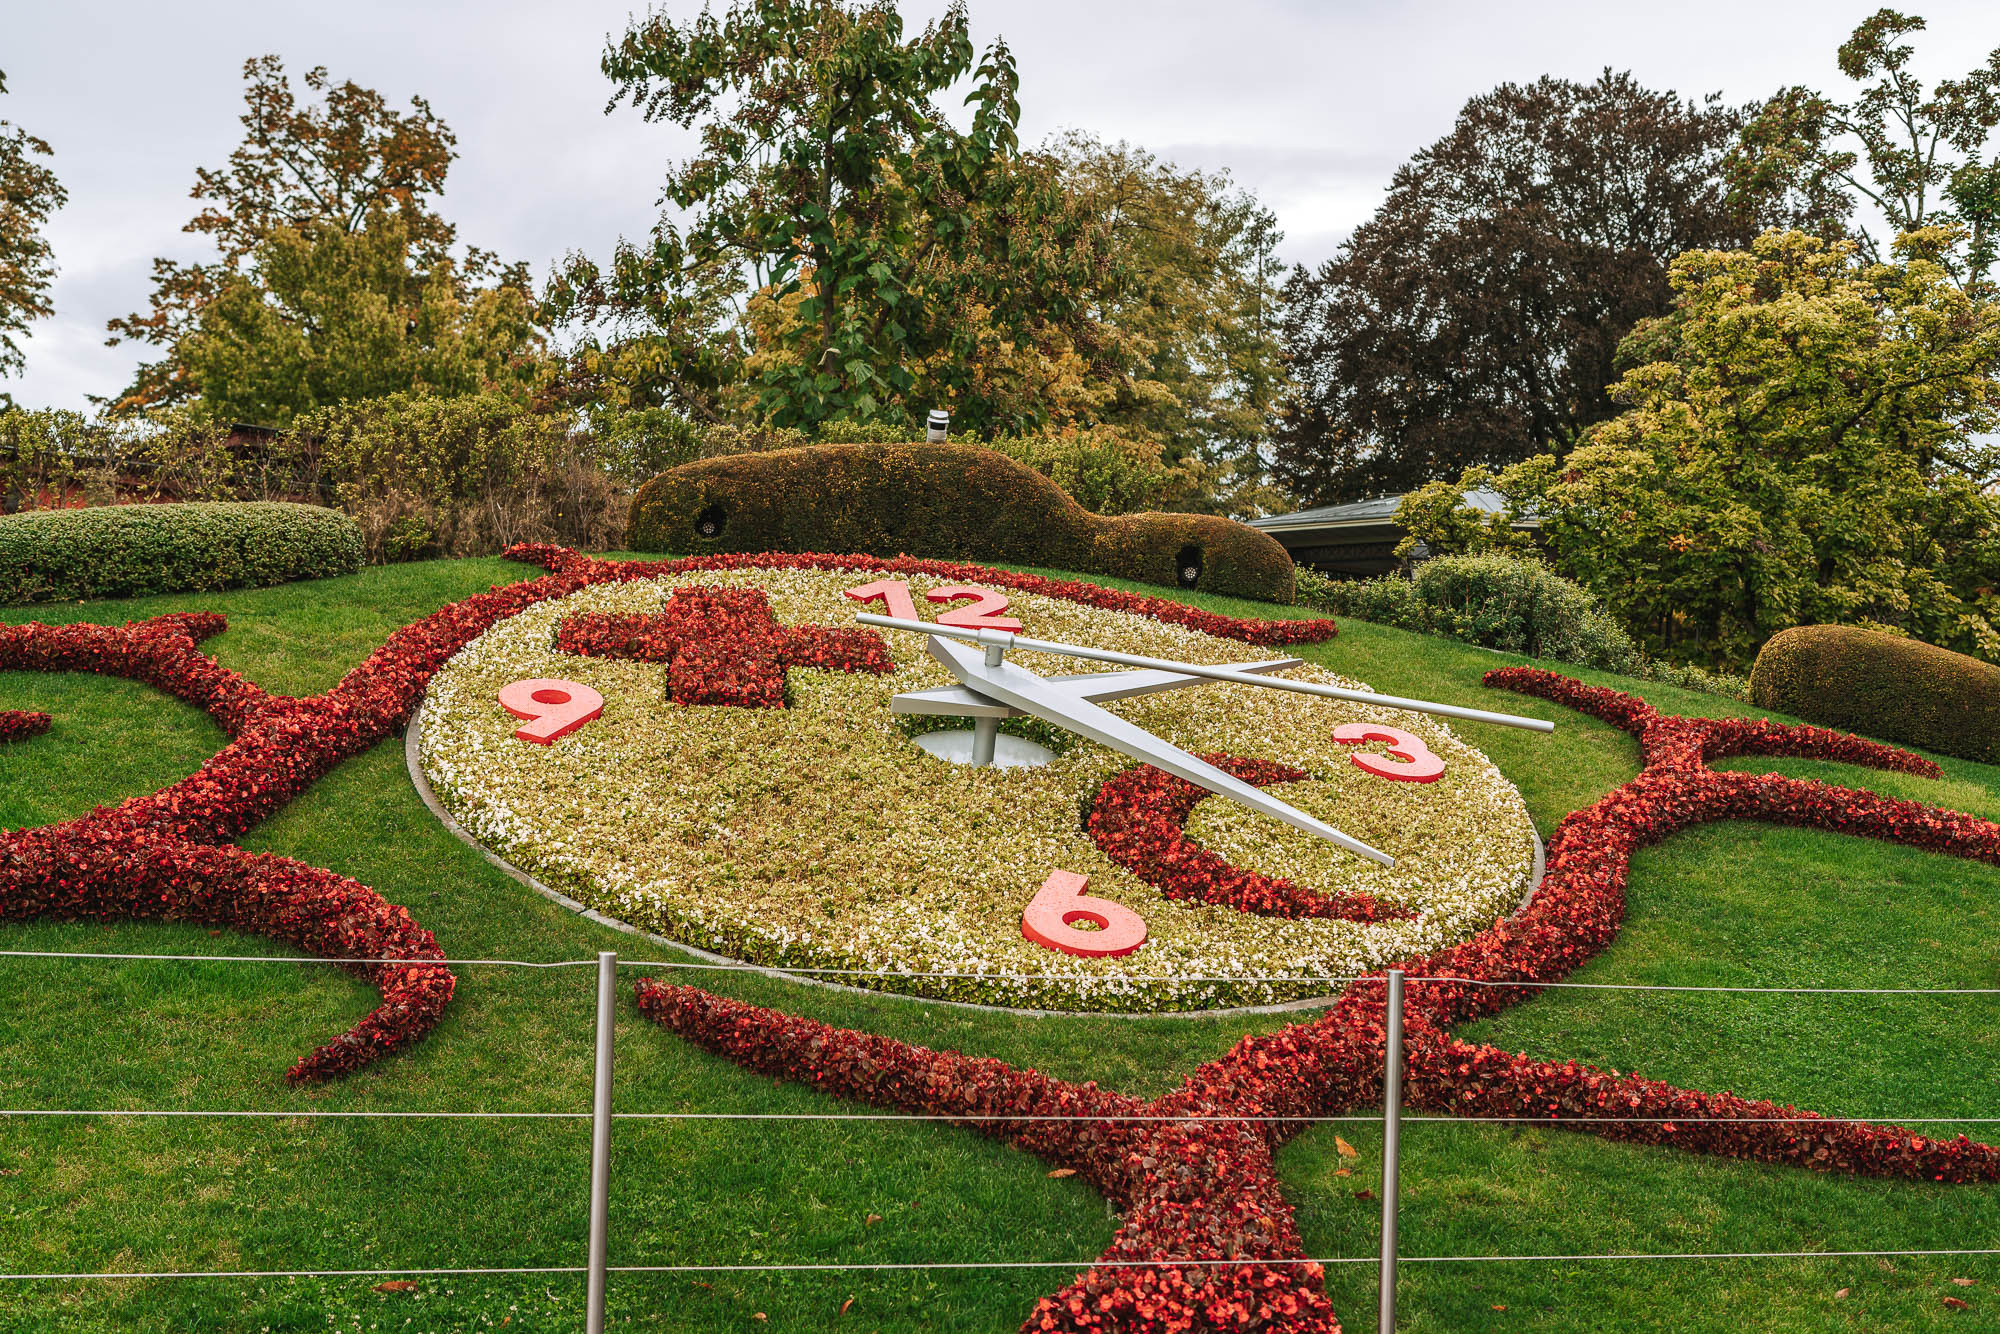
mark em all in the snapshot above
pixel 1103 471
pixel 1500 602
pixel 949 502
pixel 123 550
pixel 1520 606
pixel 1884 686
pixel 430 476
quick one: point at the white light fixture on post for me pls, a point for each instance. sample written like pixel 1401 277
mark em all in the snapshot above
pixel 940 422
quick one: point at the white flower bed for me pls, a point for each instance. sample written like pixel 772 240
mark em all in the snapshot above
pixel 820 835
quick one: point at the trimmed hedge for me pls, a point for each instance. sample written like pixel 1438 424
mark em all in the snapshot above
pixel 947 502
pixel 121 550
pixel 1882 685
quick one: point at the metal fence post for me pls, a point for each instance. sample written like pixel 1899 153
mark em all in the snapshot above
pixel 1392 1143
pixel 600 1141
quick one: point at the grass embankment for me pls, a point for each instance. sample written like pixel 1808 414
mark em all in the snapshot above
pixel 1729 904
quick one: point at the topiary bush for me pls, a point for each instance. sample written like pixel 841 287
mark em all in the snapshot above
pixel 122 550
pixel 948 502
pixel 1882 685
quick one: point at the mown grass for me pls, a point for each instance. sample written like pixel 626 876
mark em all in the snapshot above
pixel 1728 904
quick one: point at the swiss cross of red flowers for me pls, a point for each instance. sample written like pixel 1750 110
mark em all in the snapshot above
pixel 1207 1190
pixel 723 646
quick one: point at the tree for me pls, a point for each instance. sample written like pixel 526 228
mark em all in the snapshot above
pixel 1473 320
pixel 29 194
pixel 1813 444
pixel 879 236
pixel 1914 156
pixel 308 170
pixel 1195 293
pixel 321 315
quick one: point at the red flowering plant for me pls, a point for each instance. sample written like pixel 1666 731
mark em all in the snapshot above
pixel 723 646
pixel 1208 1241
pixel 20 724
pixel 169 856
pixel 1138 820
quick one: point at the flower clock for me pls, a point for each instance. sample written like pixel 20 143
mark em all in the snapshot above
pixel 712 749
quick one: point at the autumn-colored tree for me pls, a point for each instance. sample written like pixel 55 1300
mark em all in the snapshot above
pixel 1916 155
pixel 1473 320
pixel 29 194
pixel 324 167
pixel 324 315
pixel 880 237
pixel 1193 292
pixel 1813 443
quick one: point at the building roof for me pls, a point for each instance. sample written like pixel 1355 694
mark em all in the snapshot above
pixel 1377 513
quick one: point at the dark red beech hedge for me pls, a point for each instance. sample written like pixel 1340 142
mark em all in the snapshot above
pixel 169 856
pixel 1196 1192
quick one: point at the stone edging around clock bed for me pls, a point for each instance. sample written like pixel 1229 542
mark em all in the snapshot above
pixel 413 764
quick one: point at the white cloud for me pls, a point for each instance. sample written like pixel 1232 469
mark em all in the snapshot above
pixel 1312 105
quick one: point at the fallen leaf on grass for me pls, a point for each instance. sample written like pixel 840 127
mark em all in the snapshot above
pixel 1499 1308
pixel 760 1316
pixel 1842 1294
pixel 1342 1172
pixel 1346 1150
pixel 1965 1282
pixel 397 1285
pixel 1957 1304
pixel 871 1220
pixel 844 1305
pixel 1063 1172
pixel 1364 1194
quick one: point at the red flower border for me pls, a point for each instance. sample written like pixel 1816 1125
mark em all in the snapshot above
pixel 1138 821
pixel 1207 1190
pixel 168 856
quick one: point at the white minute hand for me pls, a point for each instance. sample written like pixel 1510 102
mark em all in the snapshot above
pixel 1048 699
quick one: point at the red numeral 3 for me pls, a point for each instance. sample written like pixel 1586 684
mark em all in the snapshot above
pixel 1408 760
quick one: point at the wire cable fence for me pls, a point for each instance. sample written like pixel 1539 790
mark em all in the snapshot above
pixel 597 1267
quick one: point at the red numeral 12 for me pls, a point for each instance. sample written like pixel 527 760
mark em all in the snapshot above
pixel 894 592
pixel 982 615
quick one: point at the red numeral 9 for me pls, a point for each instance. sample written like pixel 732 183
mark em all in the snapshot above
pixel 1409 760
pixel 1060 902
pixel 554 708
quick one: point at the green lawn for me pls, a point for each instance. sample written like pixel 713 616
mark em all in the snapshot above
pixel 1727 904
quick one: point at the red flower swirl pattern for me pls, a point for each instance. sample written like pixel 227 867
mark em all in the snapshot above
pixel 168 856
pixel 1204 1191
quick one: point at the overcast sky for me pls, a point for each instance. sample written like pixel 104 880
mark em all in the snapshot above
pixel 1310 105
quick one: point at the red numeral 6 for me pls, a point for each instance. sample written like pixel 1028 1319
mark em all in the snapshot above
pixel 1060 902
pixel 1408 761
pixel 554 708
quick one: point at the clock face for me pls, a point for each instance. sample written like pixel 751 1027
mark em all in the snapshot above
pixel 788 817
